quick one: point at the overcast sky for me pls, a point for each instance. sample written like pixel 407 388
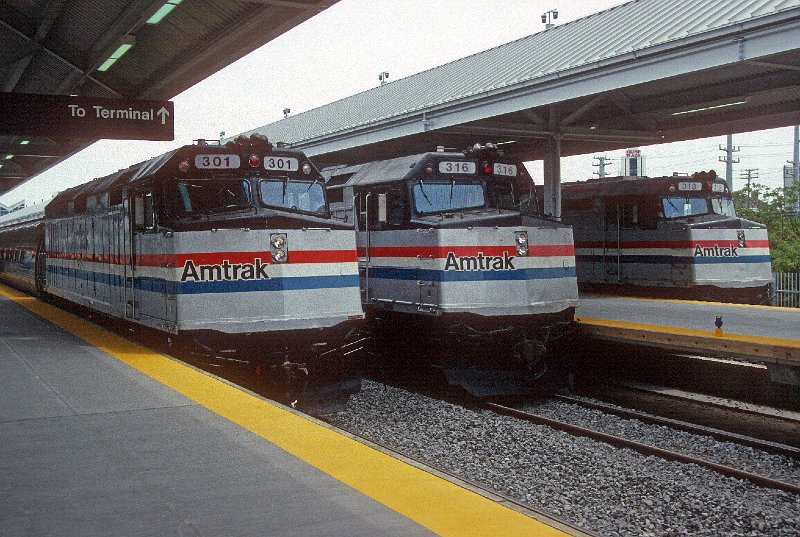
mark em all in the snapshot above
pixel 342 50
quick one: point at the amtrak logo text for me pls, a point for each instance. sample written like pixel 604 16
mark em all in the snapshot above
pixel 716 251
pixel 225 271
pixel 479 262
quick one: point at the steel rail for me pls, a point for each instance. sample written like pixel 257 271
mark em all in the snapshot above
pixel 719 434
pixel 645 449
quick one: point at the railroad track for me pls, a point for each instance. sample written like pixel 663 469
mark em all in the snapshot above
pixel 719 417
pixel 645 449
pixel 718 434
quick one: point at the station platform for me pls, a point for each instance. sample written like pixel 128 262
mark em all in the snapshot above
pixel 100 436
pixel 763 334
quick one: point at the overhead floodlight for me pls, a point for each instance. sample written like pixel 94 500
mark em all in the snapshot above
pixel 127 42
pixel 163 11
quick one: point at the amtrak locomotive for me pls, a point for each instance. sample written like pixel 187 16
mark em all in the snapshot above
pixel 232 246
pixel 666 236
pixel 451 269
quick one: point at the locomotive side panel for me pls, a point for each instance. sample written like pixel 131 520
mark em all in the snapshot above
pixel 85 262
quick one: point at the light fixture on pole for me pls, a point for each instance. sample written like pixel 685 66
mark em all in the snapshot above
pixel 547 16
pixel 286 112
pixel 383 77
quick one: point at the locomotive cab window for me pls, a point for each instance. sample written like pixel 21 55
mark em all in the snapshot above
pixel 144 211
pixel 435 196
pixel 201 197
pixel 684 206
pixel 723 206
pixel 293 194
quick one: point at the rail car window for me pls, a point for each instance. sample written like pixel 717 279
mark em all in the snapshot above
pixel 207 196
pixel 440 196
pixel 285 193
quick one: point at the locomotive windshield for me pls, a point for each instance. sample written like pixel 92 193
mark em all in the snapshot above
pixel 293 194
pixel 209 196
pixel 446 196
pixel 685 206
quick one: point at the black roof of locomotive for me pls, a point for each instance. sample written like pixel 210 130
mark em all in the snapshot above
pixel 138 172
pixel 397 169
pixel 625 186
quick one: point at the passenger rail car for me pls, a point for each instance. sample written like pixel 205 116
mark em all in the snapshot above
pixel 230 245
pixel 450 268
pixel 666 236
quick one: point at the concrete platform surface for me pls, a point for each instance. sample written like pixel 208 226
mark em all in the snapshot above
pixel 99 436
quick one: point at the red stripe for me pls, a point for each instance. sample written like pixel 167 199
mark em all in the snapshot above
pixel 441 252
pixel 672 244
pixel 212 258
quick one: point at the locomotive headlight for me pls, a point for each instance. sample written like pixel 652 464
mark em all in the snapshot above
pixel 279 256
pixel 521 240
pixel 279 248
pixel 278 241
pixel 306 169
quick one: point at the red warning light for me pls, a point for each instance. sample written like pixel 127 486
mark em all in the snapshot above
pixel 487 167
pixel 183 166
pixel 254 161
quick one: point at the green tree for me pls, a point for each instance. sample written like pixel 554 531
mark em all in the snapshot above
pixel 778 210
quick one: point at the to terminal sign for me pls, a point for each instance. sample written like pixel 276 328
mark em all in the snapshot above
pixel 28 114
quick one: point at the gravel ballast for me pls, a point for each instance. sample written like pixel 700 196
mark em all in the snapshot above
pixel 591 484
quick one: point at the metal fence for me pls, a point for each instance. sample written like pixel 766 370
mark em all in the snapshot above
pixel 786 289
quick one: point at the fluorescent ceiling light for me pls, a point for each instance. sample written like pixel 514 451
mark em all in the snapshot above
pixel 713 107
pixel 9 157
pixel 127 43
pixel 163 11
pixel 24 142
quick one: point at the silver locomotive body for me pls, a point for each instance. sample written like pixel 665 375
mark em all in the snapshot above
pixel 669 236
pixel 450 267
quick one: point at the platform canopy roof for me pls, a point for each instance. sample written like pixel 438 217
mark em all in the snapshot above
pixel 56 47
pixel 644 72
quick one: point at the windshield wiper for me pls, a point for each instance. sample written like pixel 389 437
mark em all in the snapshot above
pixel 422 190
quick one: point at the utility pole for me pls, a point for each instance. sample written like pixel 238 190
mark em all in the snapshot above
pixel 748 175
pixel 729 161
pixel 601 166
pixel 795 162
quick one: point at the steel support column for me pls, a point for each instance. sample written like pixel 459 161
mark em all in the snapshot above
pixel 552 177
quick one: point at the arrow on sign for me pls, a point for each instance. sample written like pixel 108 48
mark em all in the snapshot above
pixel 163 113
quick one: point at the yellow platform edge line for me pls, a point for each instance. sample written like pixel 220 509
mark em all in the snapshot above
pixel 443 507
pixel 726 336
pixel 689 301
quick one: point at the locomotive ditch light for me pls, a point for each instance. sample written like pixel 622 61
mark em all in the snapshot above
pixel 278 247
pixel 521 242
pixel 254 161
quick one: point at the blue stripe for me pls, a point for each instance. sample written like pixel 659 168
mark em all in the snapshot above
pixel 672 259
pixel 159 285
pixel 400 273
